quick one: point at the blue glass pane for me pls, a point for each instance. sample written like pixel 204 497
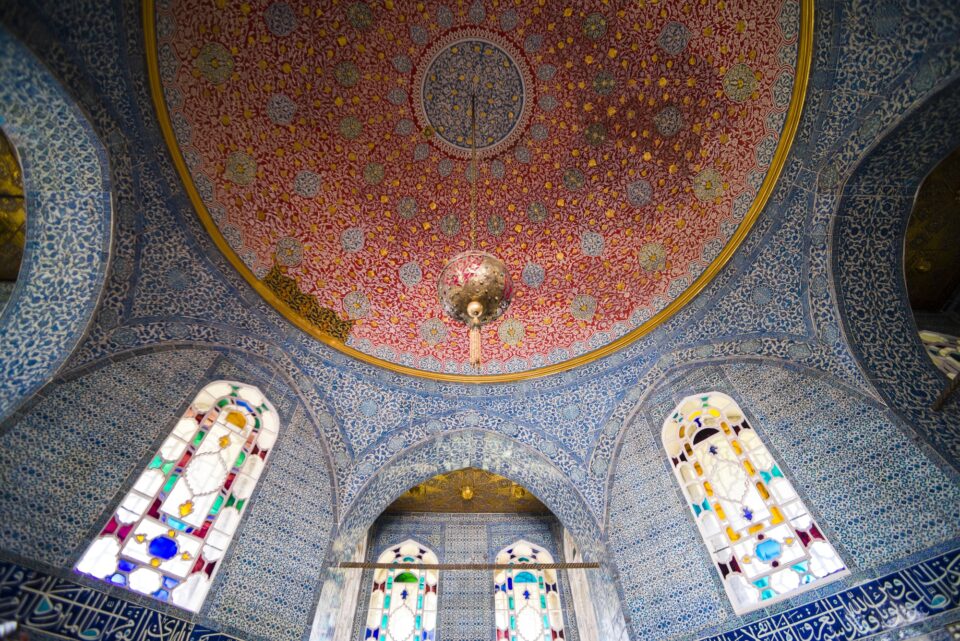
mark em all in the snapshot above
pixel 163 547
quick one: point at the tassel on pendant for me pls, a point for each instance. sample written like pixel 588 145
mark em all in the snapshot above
pixel 475 346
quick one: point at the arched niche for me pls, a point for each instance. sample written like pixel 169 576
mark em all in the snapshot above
pixel 868 239
pixel 69 225
pixel 488 451
pixel 813 425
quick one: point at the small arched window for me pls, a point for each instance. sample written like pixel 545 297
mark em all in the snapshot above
pixel 762 539
pixel 526 601
pixel 403 601
pixel 168 535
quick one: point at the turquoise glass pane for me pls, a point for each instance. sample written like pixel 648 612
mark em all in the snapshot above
pixel 768 550
pixel 524 577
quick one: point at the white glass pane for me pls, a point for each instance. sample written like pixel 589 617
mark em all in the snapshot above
pixel 266 439
pixel 172 449
pixel 252 467
pixel 145 580
pixel 243 486
pixel 186 428
pixel 269 421
pixel 150 482
pixel 251 395
pixel 218 389
pixel 100 559
pixel 823 559
pixel 191 593
pixel 136 505
pixel 227 521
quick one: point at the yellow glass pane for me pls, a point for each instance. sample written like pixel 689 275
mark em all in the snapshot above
pixel 763 490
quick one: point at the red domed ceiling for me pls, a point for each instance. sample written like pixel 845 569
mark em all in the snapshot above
pixel 621 145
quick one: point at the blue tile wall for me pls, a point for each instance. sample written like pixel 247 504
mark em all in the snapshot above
pixel 50 607
pixel 78 449
pixel 877 496
pixel 466 598
pixel 813 291
pixel 69 225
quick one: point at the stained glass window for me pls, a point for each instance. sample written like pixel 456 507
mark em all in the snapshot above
pixel 168 535
pixel 762 539
pixel 403 602
pixel 526 601
pixel 944 350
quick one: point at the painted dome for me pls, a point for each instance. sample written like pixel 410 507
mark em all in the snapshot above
pixel 624 149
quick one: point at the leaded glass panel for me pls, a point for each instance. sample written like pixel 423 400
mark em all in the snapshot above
pixel 403 602
pixel 760 535
pixel 526 601
pixel 168 535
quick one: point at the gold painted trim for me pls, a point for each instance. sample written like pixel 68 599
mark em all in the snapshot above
pixel 801 80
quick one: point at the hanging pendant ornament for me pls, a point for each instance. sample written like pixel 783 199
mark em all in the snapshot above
pixel 475 287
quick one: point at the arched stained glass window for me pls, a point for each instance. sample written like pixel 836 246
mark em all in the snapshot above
pixel 527 601
pixel 762 539
pixel 403 602
pixel 170 532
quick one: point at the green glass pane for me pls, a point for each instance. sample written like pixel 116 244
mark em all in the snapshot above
pixel 198 438
pixel 217 504
pixel 231 501
pixel 170 483
pixel 167 467
pixel 155 463
pixel 240 504
pixel 222 402
pixel 240 459
pixel 406 577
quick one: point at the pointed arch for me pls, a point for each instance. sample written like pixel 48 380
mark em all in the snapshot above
pixel 760 534
pixel 527 601
pixel 167 537
pixel 403 602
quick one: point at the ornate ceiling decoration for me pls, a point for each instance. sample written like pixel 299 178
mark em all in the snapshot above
pixel 932 260
pixel 468 490
pixel 625 149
